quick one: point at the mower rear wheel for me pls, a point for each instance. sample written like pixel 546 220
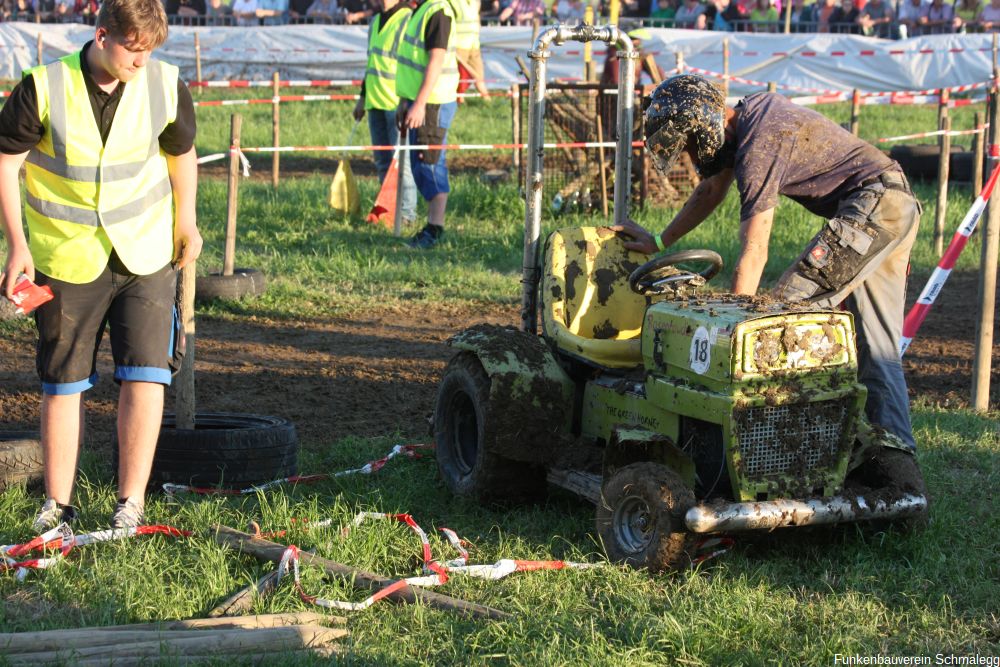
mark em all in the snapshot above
pixel 640 519
pixel 462 426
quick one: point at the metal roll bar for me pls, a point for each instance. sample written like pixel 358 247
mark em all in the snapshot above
pixel 627 55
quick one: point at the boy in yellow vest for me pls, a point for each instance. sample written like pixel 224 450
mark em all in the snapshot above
pixel 379 99
pixel 106 136
pixel 427 83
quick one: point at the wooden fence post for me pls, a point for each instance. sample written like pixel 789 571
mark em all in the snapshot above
pixel 978 145
pixel 772 86
pixel 725 66
pixel 515 126
pixel 855 112
pixel 589 71
pixel 679 57
pixel 275 130
pixel 788 16
pixel 235 127
pixel 197 61
pixel 987 278
pixel 40 46
pixel 944 162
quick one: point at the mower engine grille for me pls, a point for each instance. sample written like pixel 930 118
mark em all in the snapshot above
pixel 790 438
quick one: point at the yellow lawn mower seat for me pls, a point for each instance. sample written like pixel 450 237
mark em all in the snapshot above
pixel 588 309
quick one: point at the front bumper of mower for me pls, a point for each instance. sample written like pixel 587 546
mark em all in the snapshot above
pixel 771 514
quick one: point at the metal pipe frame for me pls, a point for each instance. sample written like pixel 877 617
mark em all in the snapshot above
pixel 539 55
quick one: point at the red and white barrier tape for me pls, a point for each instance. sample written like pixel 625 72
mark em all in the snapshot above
pixel 764 84
pixel 62 538
pixel 881 99
pixel 919 311
pixel 316 98
pixel 307 83
pixel 921 135
pixel 409 451
pixel 435 573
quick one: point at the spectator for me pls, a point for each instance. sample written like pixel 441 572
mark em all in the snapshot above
pixel 187 9
pixel 45 9
pixel 966 11
pixel 989 17
pixel 297 10
pixel 939 18
pixel 876 19
pixel 85 11
pixel 107 104
pixel 523 12
pixel 763 17
pixel 722 15
pixel 272 12
pixel 356 11
pixel 665 11
pixel 470 58
pixel 636 9
pixel 427 85
pixel 245 12
pixel 844 17
pixel 691 15
pixel 218 13
pixel 569 12
pixel 910 12
pixel 324 11
pixel 823 13
pixel 379 98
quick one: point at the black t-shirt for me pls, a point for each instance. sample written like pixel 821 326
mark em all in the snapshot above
pixel 786 149
pixel 21 129
pixel 437 31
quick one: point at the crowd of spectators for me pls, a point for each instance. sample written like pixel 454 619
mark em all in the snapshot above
pixel 879 18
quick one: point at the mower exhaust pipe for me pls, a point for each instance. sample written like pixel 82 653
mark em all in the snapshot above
pixel 772 514
pixel 536 138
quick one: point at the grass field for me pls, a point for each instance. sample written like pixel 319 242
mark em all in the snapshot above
pixel 787 598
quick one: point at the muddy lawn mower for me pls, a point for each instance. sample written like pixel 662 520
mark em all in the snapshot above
pixel 677 414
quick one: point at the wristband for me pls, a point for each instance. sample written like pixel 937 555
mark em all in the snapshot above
pixel 658 239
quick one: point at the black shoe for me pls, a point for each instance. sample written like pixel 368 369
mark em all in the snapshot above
pixel 426 238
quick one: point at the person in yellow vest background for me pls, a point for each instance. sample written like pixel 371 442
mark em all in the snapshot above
pixel 378 95
pixel 427 83
pixel 106 137
pixel 467 45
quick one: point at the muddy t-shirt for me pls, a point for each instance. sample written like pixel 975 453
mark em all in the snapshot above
pixel 785 149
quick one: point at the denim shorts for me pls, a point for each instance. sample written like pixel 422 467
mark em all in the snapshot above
pixel 430 173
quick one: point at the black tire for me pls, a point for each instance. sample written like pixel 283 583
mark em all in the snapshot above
pixel 640 519
pixel 21 460
pixel 224 449
pixel 243 283
pixel 463 420
pixel 920 161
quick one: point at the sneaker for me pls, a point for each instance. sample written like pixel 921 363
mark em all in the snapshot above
pixel 426 238
pixel 52 514
pixel 129 513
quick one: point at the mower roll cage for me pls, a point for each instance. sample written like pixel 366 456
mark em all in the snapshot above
pixel 539 55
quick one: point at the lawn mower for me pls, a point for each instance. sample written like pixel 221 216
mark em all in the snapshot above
pixel 677 413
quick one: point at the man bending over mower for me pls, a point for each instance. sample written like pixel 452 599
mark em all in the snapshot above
pixel 770 146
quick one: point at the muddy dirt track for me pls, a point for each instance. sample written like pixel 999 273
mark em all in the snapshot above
pixel 376 373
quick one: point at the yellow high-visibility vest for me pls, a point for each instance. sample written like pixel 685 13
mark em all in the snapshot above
pixel 380 76
pixel 412 57
pixel 85 197
pixel 467 35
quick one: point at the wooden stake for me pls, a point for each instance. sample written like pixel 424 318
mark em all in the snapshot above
pixel 228 259
pixel 184 398
pixel 725 66
pixel 772 86
pixel 589 71
pixel 944 162
pixel 197 61
pixel 987 278
pixel 978 144
pixel 242 601
pixel 272 551
pixel 679 59
pixel 788 17
pixel 275 130
pixel 653 68
pixel 40 46
pixel 515 121
pixel 523 66
pixel 614 12
pixel 855 111
pixel 600 155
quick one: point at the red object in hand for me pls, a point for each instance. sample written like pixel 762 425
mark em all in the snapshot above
pixel 28 296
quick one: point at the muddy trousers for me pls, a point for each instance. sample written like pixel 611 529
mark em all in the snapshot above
pixel 860 258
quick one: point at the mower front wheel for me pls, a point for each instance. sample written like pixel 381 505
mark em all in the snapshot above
pixel 640 519
pixel 466 458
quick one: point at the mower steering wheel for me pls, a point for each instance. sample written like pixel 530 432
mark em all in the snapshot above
pixel 660 275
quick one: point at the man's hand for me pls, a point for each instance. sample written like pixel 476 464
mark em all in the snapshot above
pixel 401 109
pixel 359 109
pixel 18 261
pixel 415 115
pixel 187 245
pixel 642 241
